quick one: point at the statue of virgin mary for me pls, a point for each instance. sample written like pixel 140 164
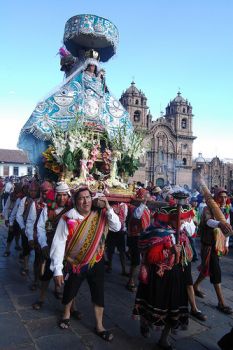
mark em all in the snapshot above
pixel 88 40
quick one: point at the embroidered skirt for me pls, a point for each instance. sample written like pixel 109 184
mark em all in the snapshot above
pixel 164 299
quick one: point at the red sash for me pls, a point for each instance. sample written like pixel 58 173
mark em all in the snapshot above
pixel 86 239
pixel 136 226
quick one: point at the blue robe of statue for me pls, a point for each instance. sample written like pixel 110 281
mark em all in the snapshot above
pixel 82 95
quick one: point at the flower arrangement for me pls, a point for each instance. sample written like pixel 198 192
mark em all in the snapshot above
pixel 85 154
pixel 69 147
pixel 130 147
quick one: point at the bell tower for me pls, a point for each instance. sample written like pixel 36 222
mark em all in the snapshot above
pixel 179 113
pixel 135 102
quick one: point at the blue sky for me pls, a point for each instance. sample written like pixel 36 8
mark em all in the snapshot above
pixel 164 44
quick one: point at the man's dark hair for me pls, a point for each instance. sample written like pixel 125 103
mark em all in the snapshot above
pixel 82 189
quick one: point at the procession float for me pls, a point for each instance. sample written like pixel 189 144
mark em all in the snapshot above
pixel 81 133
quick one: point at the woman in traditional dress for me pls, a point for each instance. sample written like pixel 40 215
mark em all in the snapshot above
pixel 162 298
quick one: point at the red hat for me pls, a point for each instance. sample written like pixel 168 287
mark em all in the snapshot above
pixel 166 214
pixel 46 185
pixel 141 193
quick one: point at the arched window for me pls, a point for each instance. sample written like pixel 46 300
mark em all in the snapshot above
pixel 184 110
pixel 161 155
pixel 136 116
pixel 184 161
pixel 160 182
pixel 136 102
pixel 184 123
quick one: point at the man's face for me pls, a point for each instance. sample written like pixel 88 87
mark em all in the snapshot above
pixel 222 198
pixel 84 202
pixel 44 194
pixel 33 192
pixel 61 199
pixel 147 196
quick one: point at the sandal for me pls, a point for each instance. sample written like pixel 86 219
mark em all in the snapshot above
pixel 76 314
pixel 58 295
pixel 131 287
pixel 145 331
pixel 105 335
pixel 33 287
pixel 125 274
pixel 225 309
pixel 24 272
pixel 64 323
pixel 199 315
pixel 37 305
pixel 199 294
pixel 6 254
pixel 165 347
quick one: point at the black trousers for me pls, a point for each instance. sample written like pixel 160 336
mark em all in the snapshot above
pixel 95 279
pixel 15 231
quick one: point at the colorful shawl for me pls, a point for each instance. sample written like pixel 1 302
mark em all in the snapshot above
pixel 220 242
pixel 136 226
pixel 86 239
pixel 155 242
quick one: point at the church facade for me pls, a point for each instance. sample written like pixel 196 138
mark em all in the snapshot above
pixel 168 139
pixel 169 145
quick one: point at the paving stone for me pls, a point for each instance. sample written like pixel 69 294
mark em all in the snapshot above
pixel 39 328
pixel 189 343
pixel 24 301
pixel 6 304
pixel 30 314
pixel 2 290
pixel 210 337
pixel 16 289
pixel 194 328
pixel 12 331
pixel 215 317
pixel 120 341
pixel 45 327
pixel 64 341
pixel 21 347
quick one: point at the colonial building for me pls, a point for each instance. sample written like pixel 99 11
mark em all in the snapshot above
pixel 216 172
pixel 14 163
pixel 168 141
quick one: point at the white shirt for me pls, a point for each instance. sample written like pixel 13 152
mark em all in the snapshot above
pixel 19 214
pixel 9 187
pixel 31 219
pixel 138 212
pixel 13 213
pixel 189 227
pixel 124 228
pixel 7 209
pixel 214 224
pixel 41 231
pixel 57 250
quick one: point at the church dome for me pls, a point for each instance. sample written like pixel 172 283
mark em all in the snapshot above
pixel 200 159
pixel 133 89
pixel 179 98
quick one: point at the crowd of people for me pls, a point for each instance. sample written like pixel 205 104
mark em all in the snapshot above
pixel 74 235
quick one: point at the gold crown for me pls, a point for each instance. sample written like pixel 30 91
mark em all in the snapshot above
pixel 92 54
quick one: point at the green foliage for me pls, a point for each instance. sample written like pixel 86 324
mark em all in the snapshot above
pixel 127 165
